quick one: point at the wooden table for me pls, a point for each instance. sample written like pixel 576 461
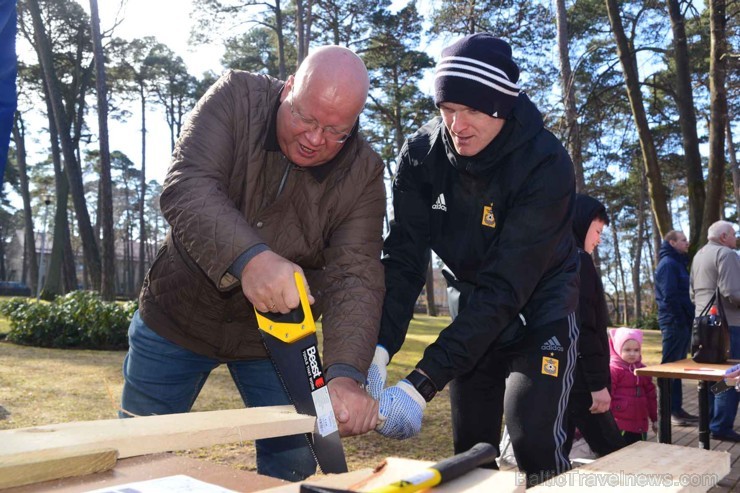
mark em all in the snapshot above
pixel 685 369
pixel 646 467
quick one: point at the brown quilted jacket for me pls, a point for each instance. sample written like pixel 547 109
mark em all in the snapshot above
pixel 221 197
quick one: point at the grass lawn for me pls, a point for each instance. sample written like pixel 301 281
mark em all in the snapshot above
pixel 44 386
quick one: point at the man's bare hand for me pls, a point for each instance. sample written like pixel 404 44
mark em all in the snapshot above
pixel 600 401
pixel 269 284
pixel 355 410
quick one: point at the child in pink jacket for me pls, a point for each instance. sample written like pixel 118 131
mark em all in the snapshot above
pixel 634 398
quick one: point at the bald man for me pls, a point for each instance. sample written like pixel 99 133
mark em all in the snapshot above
pixel 267 178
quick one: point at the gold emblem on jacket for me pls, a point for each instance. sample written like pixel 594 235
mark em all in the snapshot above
pixel 549 366
pixel 488 218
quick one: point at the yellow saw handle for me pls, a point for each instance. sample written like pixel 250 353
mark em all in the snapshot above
pixel 292 326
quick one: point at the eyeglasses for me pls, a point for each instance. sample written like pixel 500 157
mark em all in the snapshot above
pixel 310 125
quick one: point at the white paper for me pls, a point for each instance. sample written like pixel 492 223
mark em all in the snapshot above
pixel 169 484
pixel 705 371
pixel 325 420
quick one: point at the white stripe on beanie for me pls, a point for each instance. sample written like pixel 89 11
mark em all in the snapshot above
pixel 463 60
pixel 447 68
pixel 488 83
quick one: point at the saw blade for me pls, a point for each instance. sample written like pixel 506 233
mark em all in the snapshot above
pixel 299 367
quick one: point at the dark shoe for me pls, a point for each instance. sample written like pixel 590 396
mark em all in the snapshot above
pixel 730 436
pixel 676 421
pixel 684 415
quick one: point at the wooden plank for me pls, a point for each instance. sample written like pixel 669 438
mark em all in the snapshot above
pixel 146 467
pixel 45 465
pixel 394 469
pixel 647 466
pixel 340 481
pixel 153 434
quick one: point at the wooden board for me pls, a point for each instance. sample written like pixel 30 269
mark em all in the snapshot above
pixel 45 465
pixel 647 466
pixel 395 469
pixel 153 434
pixel 147 467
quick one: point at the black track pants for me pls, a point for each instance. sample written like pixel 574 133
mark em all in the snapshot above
pixel 600 430
pixel 534 399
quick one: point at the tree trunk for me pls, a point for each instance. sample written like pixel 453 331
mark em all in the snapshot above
pixel 307 23
pixel 657 241
pixel 72 168
pixel 280 40
pixel 142 187
pixel 69 270
pixel 300 33
pixel 29 239
pixel 614 299
pixel 658 197
pixel 733 164
pixel 717 114
pixel 620 273
pixel 130 259
pixel 637 257
pixel 431 302
pixel 46 289
pixel 106 188
pixel 687 121
pixel 572 129
pixel 54 285
pixel 55 282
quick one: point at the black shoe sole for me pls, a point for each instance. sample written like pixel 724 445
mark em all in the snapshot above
pixel 725 439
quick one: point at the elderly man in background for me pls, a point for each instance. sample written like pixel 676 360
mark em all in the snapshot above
pixel 675 313
pixel 717 266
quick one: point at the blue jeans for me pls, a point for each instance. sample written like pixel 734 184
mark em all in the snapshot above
pixel 724 406
pixel 676 342
pixel 161 377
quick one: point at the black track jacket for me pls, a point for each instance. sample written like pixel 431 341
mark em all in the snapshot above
pixel 592 370
pixel 500 220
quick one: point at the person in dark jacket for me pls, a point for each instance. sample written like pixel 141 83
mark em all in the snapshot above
pixel 588 407
pixel 491 191
pixel 8 71
pixel 675 313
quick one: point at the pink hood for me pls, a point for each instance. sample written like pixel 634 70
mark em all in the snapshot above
pixel 617 338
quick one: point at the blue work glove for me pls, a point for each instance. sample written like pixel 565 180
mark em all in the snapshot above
pixel 377 373
pixel 400 411
pixel 732 370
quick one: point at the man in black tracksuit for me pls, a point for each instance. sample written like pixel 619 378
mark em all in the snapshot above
pixel 588 406
pixel 491 192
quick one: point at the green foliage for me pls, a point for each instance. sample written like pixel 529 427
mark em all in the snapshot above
pixel 254 51
pixel 649 321
pixel 79 319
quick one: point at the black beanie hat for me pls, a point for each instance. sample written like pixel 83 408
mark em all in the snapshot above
pixel 477 71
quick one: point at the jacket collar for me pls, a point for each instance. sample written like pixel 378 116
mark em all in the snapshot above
pixel 667 251
pixel 319 173
pixel 520 128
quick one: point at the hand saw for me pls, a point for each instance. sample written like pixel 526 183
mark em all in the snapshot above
pixel 291 342
pixel 424 480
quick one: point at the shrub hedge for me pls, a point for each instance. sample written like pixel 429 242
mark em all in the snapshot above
pixel 79 320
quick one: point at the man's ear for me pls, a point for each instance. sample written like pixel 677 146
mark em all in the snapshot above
pixel 287 88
